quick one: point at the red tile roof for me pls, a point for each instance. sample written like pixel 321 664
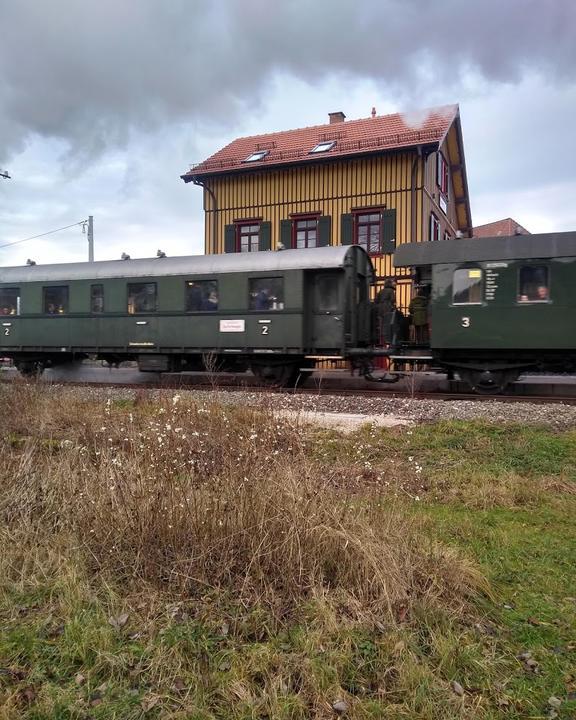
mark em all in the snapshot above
pixel 505 227
pixel 353 137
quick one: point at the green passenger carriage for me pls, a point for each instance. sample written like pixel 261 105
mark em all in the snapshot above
pixel 499 306
pixel 273 312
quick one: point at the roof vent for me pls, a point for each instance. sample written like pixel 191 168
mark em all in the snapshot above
pixel 160 254
pixel 124 256
pixel 30 262
pixel 373 113
pixel 336 117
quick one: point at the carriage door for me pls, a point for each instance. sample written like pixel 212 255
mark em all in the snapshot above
pixel 9 312
pixel 327 331
pixel 362 312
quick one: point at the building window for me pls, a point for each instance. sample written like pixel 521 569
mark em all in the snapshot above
pixel 467 286
pixel 305 232
pixel 201 295
pixel 55 300
pixel 142 298
pixel 256 156
pixel 442 173
pixel 323 146
pixel 266 294
pixel 367 230
pixel 533 284
pixel 96 298
pixel 372 228
pixel 310 230
pixel 248 237
pixel 434 228
pixel 10 301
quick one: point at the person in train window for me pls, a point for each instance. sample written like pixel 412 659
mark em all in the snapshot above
pixel 210 303
pixel 542 293
pixel 263 299
pixel 194 297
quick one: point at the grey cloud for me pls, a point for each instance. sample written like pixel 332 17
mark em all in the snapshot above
pixel 91 72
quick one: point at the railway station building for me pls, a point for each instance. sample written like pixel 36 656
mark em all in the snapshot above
pixel 377 182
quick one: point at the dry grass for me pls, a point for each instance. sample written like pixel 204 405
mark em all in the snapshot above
pixel 196 498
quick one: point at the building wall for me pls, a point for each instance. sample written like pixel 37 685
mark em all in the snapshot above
pixel 431 198
pixel 333 189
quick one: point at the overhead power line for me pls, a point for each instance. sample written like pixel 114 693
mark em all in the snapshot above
pixel 50 232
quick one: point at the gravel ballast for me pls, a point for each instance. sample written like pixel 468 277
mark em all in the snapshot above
pixel 555 415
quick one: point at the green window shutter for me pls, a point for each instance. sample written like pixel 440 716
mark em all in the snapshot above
pixel 264 241
pixel 286 233
pixel 324 230
pixel 388 231
pixel 230 239
pixel 346 229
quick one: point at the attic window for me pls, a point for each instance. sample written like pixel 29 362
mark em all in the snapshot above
pixel 256 156
pixel 323 146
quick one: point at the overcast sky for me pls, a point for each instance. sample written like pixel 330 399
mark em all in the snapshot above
pixel 104 103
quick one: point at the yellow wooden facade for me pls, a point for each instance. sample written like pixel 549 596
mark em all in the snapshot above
pixel 402 180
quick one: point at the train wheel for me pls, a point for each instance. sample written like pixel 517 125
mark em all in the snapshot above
pixel 277 376
pixel 489 382
pixel 30 368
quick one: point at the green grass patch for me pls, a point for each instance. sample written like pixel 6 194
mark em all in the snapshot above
pixel 529 557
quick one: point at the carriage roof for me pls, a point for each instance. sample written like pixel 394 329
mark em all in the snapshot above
pixel 267 261
pixel 515 247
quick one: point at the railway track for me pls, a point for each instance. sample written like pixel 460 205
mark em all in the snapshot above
pixel 313 388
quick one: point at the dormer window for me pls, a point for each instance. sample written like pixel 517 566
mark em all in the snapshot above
pixel 323 146
pixel 256 156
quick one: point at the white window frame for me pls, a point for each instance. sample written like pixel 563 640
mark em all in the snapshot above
pixel 324 146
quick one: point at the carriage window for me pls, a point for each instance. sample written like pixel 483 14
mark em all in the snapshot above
pixel 96 298
pixel 267 294
pixel 56 300
pixel 10 301
pixel 467 286
pixel 327 293
pixel 533 284
pixel 201 295
pixel 141 298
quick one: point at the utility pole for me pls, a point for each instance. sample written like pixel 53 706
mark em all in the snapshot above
pixel 4 175
pixel 90 238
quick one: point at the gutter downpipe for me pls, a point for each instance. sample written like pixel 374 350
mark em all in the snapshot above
pixel 215 211
pixel 413 179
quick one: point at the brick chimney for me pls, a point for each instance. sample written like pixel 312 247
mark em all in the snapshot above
pixel 336 117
